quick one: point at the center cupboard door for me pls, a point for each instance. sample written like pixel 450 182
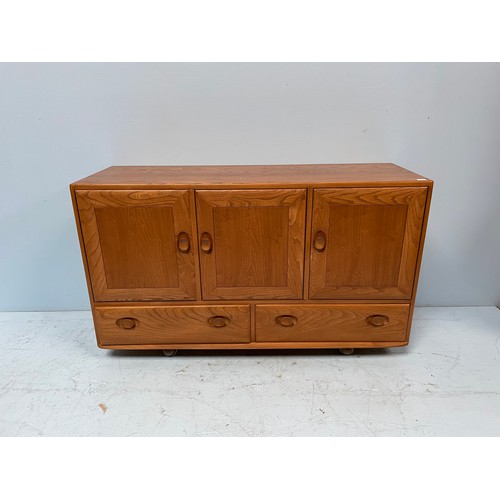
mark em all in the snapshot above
pixel 251 243
pixel 138 243
pixel 365 242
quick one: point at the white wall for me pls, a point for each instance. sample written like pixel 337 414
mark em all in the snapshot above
pixel 60 122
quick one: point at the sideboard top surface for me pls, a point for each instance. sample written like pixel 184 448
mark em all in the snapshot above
pixel 359 174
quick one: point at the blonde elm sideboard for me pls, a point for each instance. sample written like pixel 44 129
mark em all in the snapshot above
pixel 252 257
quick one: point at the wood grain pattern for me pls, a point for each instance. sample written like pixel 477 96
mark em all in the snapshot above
pixel 320 323
pixel 131 244
pixel 372 242
pixel 365 244
pixel 173 324
pixel 257 246
pixel 138 247
pixel 259 234
pixel 217 176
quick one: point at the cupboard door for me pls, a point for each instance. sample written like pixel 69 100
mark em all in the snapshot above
pixel 364 242
pixel 138 244
pixel 251 243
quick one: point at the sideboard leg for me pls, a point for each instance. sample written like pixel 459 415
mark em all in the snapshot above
pixel 170 353
pixel 347 351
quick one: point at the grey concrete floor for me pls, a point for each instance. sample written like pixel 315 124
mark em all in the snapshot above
pixel 54 381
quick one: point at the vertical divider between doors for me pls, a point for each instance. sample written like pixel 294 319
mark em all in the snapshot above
pixel 307 244
pixel 253 326
pixel 196 253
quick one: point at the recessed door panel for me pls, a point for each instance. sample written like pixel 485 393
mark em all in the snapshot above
pixel 138 244
pixel 365 242
pixel 251 243
pixel 259 234
pixel 129 234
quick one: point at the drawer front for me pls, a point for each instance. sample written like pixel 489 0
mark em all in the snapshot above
pixel 172 324
pixel 331 323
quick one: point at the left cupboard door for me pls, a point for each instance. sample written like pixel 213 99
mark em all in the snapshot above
pixel 138 243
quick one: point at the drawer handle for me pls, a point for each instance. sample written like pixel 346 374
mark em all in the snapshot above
pixel 127 323
pixel 377 320
pixel 206 243
pixel 319 241
pixel 183 243
pixel 286 320
pixel 218 321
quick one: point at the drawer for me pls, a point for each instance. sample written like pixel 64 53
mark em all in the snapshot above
pixel 172 324
pixel 331 323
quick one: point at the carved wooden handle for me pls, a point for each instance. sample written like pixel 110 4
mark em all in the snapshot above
pixel 286 320
pixel 183 242
pixel 127 323
pixel 206 243
pixel 377 320
pixel 319 241
pixel 218 321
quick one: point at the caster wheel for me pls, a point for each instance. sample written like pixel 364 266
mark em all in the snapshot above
pixel 171 353
pixel 347 351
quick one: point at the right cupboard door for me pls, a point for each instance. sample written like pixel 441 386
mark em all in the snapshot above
pixel 365 242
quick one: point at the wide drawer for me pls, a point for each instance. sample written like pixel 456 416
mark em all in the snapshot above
pixel 331 323
pixel 172 324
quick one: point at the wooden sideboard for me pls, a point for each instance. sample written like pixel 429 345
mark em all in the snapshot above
pixel 252 256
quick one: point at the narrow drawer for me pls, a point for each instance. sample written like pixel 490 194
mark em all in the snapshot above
pixel 331 323
pixel 172 324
